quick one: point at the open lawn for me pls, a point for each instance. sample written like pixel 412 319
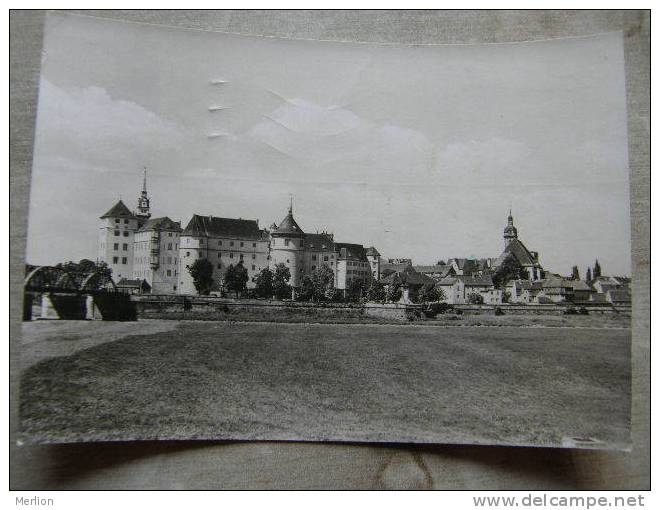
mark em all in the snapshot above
pixel 362 382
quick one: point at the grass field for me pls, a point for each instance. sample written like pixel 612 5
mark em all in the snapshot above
pixel 164 379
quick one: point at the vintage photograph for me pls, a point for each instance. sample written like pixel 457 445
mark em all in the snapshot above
pixel 255 238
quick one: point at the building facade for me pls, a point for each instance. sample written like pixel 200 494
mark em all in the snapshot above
pixel 156 254
pixel 116 238
pixel 117 234
pixel 223 242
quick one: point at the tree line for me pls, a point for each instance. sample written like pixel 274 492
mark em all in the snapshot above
pixel 591 274
pixel 318 286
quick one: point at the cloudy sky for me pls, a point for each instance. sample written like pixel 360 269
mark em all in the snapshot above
pixel 417 150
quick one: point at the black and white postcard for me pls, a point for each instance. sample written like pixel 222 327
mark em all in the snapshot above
pixel 253 238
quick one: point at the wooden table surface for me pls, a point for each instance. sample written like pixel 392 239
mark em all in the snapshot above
pixel 214 465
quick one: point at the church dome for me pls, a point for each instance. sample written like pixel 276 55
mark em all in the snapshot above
pixel 510 230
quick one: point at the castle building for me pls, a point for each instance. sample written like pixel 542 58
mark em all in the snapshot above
pixel 117 234
pixel 287 247
pixel 303 253
pixel 158 251
pixel 116 237
pixel 374 262
pixel 223 242
pixel 156 254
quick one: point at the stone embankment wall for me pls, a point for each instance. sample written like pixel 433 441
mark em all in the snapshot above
pixel 550 309
pixel 213 308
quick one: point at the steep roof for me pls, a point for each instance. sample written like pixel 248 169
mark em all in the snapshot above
pixel 620 296
pixel 476 281
pixel 127 283
pixel 387 266
pixel 581 285
pixel 519 251
pixel 319 242
pixel 409 277
pixel 205 226
pixel 430 269
pixel 288 226
pixel 163 223
pixel 351 251
pixel 372 252
pixel 119 210
pixel 557 283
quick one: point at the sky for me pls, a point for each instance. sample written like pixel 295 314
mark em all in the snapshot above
pixel 419 151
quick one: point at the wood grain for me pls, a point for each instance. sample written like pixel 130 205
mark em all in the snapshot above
pixel 213 465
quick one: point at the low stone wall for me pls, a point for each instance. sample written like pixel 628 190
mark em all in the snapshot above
pixel 545 309
pixel 215 308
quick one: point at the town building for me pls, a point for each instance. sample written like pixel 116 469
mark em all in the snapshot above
pixel 149 254
pixel 460 289
pixel 517 252
pixel 223 242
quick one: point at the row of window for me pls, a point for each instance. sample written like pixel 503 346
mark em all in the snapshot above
pixel 356 271
pixel 124 260
pixel 117 220
pixel 163 260
pixel 145 272
pixel 254 268
pixel 117 233
pixel 230 254
pixel 143 246
pixel 231 243
pixel 124 247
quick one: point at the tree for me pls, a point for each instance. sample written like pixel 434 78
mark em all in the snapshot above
pixel 355 291
pixel 264 283
pixel 201 272
pixel 281 277
pixel 509 269
pixel 440 263
pixel 474 298
pixel 588 275
pixel 376 291
pixel 236 278
pixel 86 266
pixel 575 273
pixel 430 293
pixel 597 271
pixel 306 290
pixel 323 280
pixel 394 292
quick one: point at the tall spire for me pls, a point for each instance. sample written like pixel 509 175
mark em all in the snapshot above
pixel 290 204
pixel 510 232
pixel 143 201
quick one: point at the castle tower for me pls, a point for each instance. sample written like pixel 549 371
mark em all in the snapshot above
pixel 142 212
pixel 374 262
pixel 510 232
pixel 116 236
pixel 287 247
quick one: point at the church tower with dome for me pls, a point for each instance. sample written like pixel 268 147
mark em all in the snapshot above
pixel 510 232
